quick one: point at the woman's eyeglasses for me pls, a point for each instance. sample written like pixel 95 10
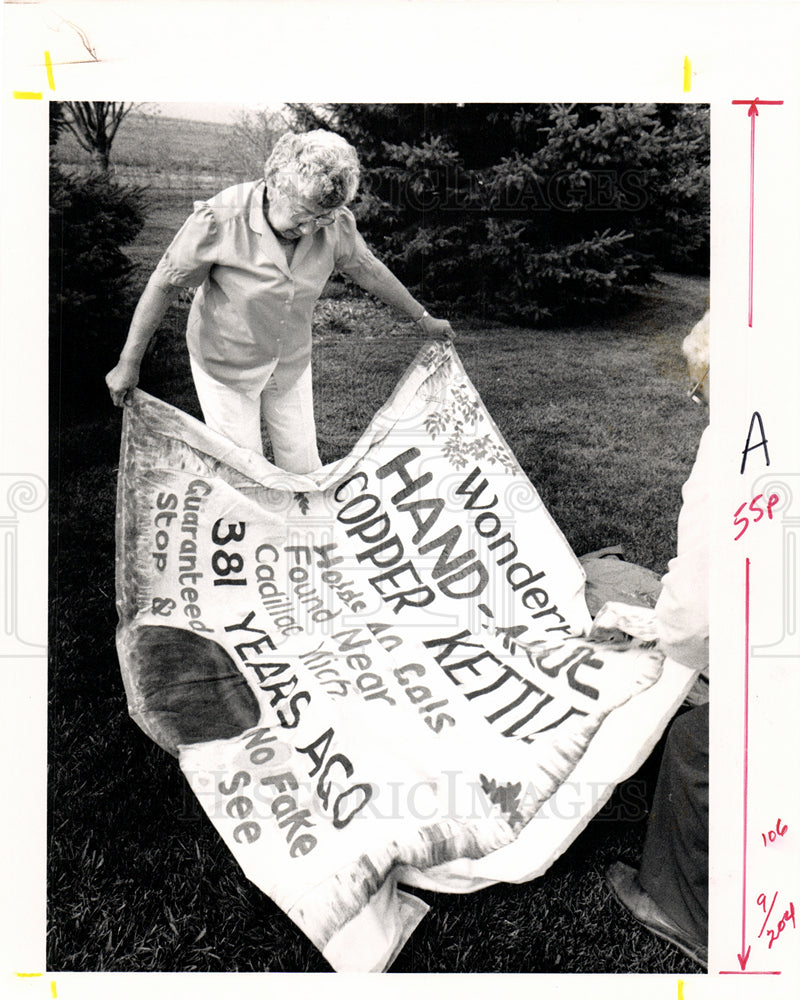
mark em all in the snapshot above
pixel 302 216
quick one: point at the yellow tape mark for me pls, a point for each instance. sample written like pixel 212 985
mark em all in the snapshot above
pixel 687 74
pixel 53 987
pixel 28 95
pixel 680 989
pixel 49 64
pixel 28 975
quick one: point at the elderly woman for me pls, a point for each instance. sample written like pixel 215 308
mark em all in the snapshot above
pixel 669 892
pixel 261 254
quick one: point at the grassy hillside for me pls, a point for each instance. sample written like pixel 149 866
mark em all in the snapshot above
pixel 160 143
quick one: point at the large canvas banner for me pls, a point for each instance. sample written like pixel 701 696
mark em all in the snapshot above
pixel 376 674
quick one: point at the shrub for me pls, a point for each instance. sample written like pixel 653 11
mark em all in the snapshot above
pixel 91 219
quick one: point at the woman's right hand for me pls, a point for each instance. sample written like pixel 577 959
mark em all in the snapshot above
pixel 121 381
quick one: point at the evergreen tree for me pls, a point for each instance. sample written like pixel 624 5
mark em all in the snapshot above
pixel 91 219
pixel 529 212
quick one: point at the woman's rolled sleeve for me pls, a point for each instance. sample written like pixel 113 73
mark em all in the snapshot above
pixel 353 257
pixel 682 610
pixel 191 254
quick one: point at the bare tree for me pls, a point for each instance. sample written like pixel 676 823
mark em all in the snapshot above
pixel 94 124
pixel 254 133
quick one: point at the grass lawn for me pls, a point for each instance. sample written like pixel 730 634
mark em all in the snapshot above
pixel 138 878
pixel 158 143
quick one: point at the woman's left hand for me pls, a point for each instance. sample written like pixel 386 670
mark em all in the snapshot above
pixel 438 329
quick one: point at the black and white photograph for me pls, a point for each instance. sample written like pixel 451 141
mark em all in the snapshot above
pixel 561 252
pixel 394 519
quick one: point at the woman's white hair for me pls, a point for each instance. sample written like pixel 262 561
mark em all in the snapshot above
pixel 696 345
pixel 319 166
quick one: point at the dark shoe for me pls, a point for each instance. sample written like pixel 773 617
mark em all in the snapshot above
pixel 624 882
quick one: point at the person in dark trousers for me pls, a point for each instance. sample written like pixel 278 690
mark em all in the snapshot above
pixel 669 892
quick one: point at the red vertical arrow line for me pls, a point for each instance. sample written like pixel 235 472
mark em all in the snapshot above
pixel 753 112
pixel 745 953
pixel 746 737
